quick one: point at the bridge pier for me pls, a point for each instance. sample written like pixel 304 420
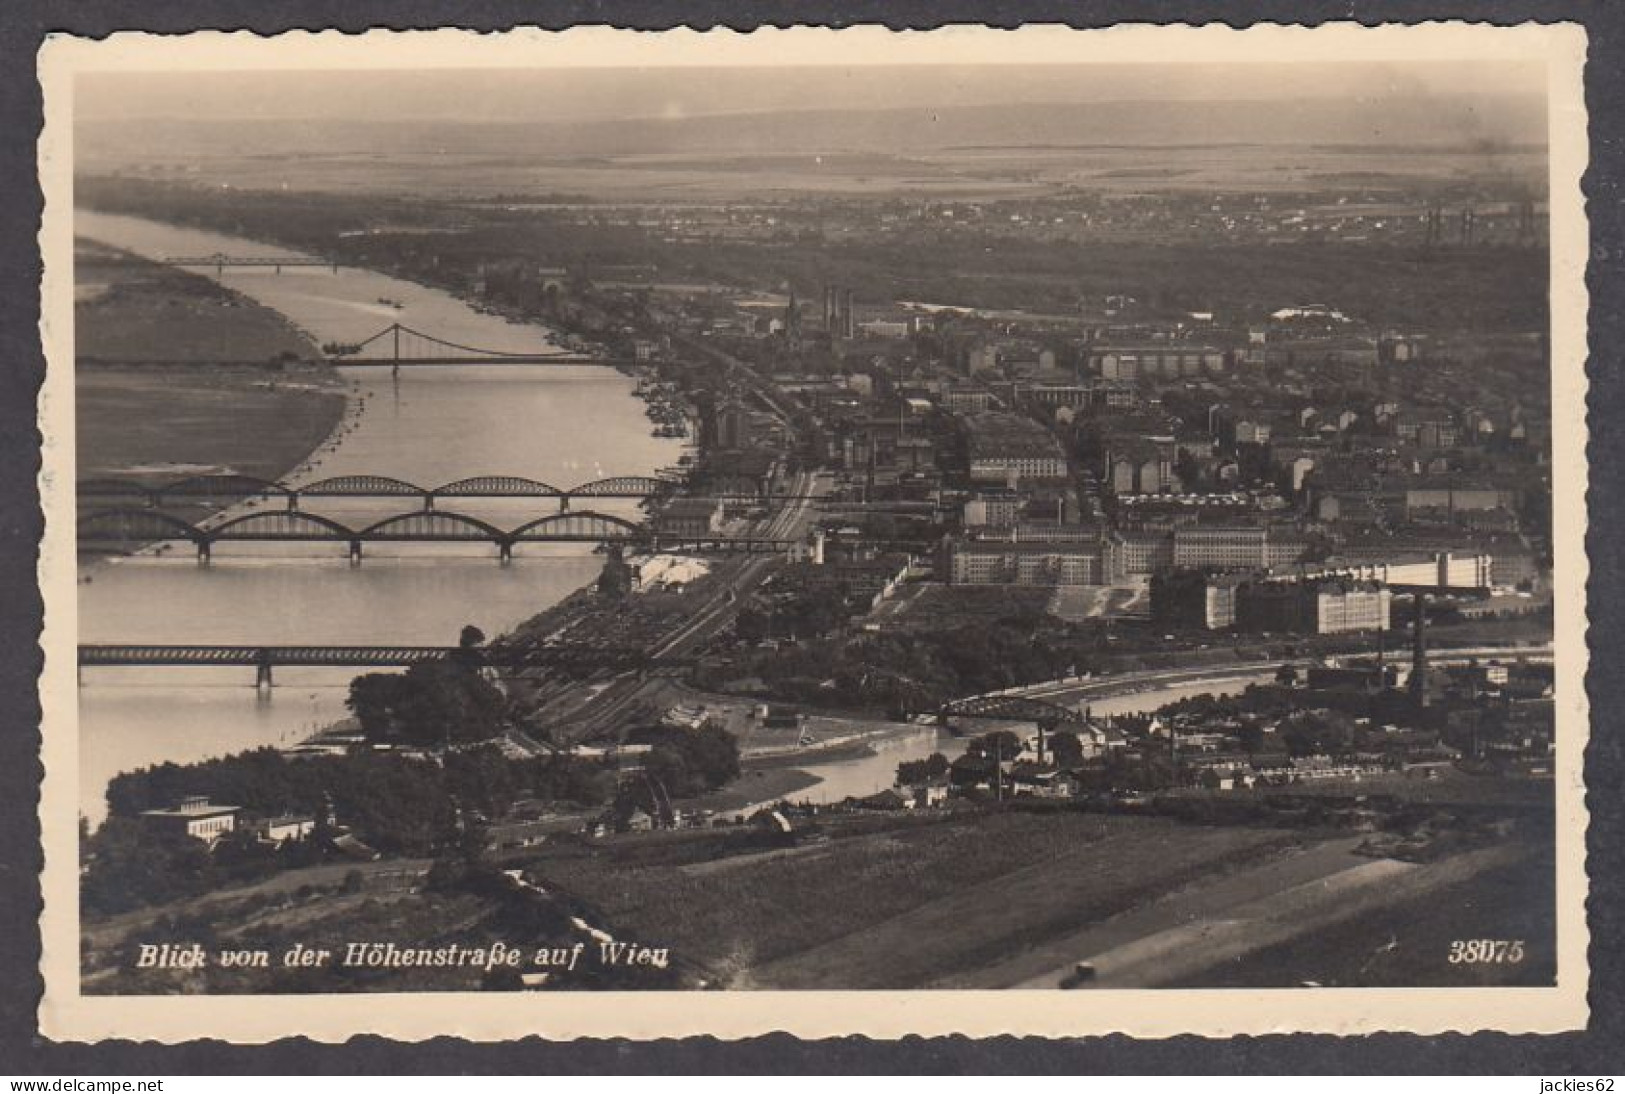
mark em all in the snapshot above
pixel 262 677
pixel 428 503
pixel 564 503
pixel 355 552
pixel 505 552
pixel 203 550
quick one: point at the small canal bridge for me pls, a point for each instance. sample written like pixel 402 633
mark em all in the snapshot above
pixel 120 529
pixel 1012 708
pixel 397 345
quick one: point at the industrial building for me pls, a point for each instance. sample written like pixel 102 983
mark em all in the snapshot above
pixel 1007 448
pixel 992 562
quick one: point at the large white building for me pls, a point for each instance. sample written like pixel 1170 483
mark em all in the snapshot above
pixel 1201 547
pixel 1157 360
pixel 196 817
pixel 994 562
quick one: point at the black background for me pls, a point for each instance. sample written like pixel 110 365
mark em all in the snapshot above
pixel 23 25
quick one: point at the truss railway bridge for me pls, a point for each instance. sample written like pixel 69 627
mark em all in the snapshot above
pixel 263 659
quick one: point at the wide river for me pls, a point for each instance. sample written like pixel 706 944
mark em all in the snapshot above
pixel 560 424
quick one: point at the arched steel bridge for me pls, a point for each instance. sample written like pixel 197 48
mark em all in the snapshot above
pixel 398 345
pixel 119 528
pixel 234 488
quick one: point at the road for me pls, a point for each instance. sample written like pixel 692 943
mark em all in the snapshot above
pixel 1174 939
pixel 1072 691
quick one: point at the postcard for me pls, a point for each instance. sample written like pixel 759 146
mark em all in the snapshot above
pixel 612 534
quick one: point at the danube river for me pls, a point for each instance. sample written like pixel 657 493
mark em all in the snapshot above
pixel 560 424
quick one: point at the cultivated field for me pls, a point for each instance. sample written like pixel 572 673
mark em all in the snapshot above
pixel 901 902
pixel 967 173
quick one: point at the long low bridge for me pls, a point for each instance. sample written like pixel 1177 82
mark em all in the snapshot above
pixel 263 659
pixel 398 346
pixel 221 262
pixel 234 488
pixel 124 528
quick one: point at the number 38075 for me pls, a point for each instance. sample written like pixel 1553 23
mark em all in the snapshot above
pixel 1486 951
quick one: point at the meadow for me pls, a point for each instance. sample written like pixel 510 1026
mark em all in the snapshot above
pixel 195 390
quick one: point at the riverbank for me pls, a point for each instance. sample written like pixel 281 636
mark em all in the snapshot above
pixel 756 788
pixel 264 404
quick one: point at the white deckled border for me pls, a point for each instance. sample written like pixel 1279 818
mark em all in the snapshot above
pixel 67 1015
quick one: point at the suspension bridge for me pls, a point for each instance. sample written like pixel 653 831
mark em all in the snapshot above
pixel 125 529
pixel 396 346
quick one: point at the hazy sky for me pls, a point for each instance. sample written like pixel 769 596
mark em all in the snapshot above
pixel 585 95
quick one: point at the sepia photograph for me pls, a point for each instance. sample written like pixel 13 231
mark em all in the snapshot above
pixel 583 531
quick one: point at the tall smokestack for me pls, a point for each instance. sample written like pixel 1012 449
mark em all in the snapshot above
pixel 1419 656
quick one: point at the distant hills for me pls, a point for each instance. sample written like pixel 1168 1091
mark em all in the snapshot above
pixel 1480 122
